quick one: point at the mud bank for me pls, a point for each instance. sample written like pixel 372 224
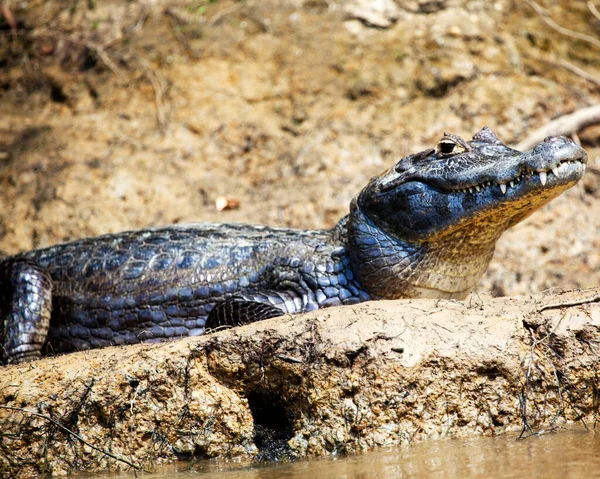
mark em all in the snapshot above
pixel 117 115
pixel 341 380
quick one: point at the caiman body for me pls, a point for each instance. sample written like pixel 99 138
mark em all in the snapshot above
pixel 425 228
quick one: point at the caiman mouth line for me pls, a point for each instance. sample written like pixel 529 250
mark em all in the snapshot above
pixel 527 173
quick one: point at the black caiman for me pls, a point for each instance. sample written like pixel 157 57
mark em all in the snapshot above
pixel 425 228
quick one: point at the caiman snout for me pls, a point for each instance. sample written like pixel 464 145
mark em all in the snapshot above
pixel 561 149
pixel 444 209
pixel 559 155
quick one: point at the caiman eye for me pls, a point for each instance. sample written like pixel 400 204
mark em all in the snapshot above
pixel 447 147
pixel 451 145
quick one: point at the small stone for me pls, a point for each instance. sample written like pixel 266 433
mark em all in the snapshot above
pixel 222 203
pixel 454 31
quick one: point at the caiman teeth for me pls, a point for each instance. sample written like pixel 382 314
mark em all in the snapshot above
pixel 543 175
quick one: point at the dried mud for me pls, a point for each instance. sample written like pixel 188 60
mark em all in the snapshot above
pixel 337 381
pixel 118 115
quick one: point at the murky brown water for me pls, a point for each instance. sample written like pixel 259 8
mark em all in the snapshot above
pixel 564 454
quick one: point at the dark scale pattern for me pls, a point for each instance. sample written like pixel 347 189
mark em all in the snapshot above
pixel 25 308
pixel 159 284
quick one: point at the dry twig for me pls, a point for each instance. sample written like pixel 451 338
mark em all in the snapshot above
pixel 8 17
pixel 224 12
pixel 566 304
pixel 593 9
pixel 571 33
pixel 562 30
pixel 563 125
pixel 156 83
pixel 579 71
pixel 95 47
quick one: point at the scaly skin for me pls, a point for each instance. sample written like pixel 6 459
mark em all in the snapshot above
pixel 425 228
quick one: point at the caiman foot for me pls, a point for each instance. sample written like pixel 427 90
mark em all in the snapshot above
pixel 26 306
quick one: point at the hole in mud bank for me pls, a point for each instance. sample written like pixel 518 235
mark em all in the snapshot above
pixel 57 94
pixel 272 427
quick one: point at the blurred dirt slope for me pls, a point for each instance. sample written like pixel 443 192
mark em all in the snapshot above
pixel 117 115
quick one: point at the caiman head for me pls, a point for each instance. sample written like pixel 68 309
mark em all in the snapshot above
pixel 428 226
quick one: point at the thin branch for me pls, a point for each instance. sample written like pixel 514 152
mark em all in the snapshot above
pixel 566 304
pixel 158 98
pixel 75 435
pixel 592 8
pixel 224 12
pixel 562 30
pixel 579 71
pixel 8 17
pixel 563 125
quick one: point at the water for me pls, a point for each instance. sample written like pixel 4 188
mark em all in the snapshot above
pixel 563 454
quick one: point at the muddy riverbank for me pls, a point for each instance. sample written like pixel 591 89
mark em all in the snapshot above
pixel 338 381
pixel 116 115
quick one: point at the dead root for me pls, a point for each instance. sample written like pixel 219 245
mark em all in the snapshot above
pixel 564 125
pixel 547 382
pixel 75 435
pixel 539 367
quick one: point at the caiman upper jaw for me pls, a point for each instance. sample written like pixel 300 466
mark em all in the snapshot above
pixel 555 161
pixel 485 164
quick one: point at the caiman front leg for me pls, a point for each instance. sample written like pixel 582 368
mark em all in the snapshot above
pixel 249 307
pixel 25 309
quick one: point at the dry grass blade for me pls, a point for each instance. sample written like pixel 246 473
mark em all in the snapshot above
pixel 562 30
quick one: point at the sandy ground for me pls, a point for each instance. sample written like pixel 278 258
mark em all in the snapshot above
pixel 119 115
